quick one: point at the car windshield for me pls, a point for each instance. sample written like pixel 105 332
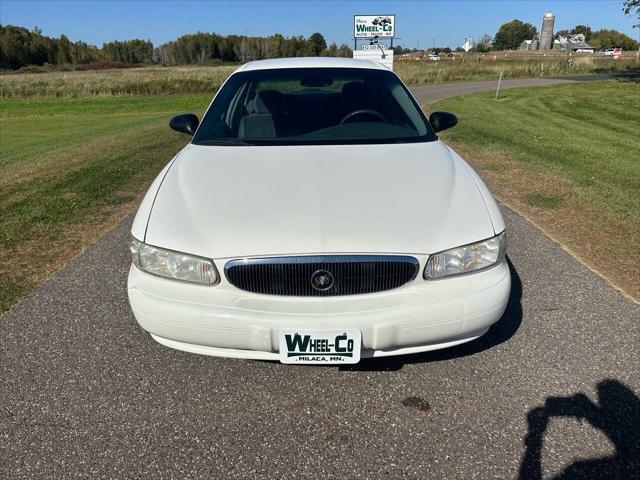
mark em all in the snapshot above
pixel 302 106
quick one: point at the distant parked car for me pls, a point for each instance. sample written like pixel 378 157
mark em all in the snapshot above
pixel 450 55
pixel 315 217
pixel 612 52
pixel 434 57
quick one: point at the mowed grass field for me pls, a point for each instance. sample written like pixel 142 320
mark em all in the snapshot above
pixel 69 169
pixel 567 157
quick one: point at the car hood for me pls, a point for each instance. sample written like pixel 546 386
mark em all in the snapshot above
pixel 235 201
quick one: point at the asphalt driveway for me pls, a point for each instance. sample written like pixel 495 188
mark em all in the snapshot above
pixel 435 92
pixel 552 388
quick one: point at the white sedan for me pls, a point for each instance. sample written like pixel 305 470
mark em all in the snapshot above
pixel 315 217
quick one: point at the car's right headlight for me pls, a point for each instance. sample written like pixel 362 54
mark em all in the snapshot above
pixel 173 265
pixel 466 259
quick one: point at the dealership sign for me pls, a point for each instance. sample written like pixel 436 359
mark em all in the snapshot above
pixel 370 26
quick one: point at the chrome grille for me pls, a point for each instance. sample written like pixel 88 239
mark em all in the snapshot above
pixel 351 274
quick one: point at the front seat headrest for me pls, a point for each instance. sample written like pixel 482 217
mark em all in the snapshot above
pixel 356 95
pixel 270 101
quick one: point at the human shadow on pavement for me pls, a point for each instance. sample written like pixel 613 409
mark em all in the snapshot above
pixel 617 415
pixel 499 332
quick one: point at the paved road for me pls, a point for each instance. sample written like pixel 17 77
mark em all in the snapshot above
pixel 432 93
pixel 86 394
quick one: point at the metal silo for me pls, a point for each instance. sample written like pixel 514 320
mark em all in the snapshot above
pixel 546 31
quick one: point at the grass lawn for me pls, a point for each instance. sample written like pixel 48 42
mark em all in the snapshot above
pixel 69 169
pixel 568 157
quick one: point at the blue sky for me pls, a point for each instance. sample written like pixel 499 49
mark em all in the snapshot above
pixel 448 22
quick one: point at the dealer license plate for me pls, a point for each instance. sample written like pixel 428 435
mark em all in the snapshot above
pixel 320 346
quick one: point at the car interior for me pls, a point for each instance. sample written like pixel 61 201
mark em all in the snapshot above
pixel 308 106
pixel 274 114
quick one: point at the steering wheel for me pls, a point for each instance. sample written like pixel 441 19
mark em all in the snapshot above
pixel 363 111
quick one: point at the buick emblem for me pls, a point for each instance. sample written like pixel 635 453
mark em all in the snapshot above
pixel 322 280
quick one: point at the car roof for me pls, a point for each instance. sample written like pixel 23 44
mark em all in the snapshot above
pixel 309 62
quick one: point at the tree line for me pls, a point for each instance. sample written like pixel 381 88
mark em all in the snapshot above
pixel 20 47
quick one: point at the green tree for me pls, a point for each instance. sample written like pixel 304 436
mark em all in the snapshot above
pixel 345 51
pixel 317 44
pixel 64 51
pixel 332 50
pixel 133 51
pixel 612 38
pixel 511 34
pixel 484 43
pixel 632 8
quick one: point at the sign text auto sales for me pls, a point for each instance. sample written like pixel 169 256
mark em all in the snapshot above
pixel 370 26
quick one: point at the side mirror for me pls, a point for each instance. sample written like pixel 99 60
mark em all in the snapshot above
pixel 442 120
pixel 185 123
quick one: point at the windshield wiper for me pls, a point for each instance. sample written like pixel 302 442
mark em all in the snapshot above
pixel 226 141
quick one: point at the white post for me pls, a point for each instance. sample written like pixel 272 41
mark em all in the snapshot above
pixel 499 82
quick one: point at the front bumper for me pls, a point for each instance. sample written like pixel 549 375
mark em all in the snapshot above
pixel 226 321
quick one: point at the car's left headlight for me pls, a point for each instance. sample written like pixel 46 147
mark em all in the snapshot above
pixel 173 265
pixel 466 259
